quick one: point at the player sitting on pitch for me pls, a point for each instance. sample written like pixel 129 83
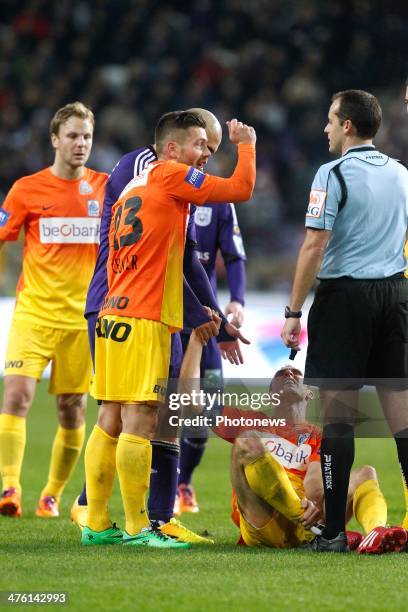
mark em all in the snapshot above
pixel 276 477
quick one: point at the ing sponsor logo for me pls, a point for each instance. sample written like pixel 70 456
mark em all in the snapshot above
pixel 113 330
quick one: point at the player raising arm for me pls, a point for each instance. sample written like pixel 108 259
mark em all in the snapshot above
pixel 143 306
pixel 165 455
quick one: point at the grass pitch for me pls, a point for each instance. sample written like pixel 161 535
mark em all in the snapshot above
pixel 46 555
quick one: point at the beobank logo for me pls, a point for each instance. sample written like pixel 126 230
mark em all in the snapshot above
pixel 289 455
pixel 69 230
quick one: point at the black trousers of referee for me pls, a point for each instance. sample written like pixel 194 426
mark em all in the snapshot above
pixel 358 335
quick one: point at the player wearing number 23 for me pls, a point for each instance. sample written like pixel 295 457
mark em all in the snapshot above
pixel 143 306
pixel 145 267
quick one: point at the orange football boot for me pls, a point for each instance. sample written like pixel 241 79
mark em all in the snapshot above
pixel 187 499
pixel 47 507
pixel 10 503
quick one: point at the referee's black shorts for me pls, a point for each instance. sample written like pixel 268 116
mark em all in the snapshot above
pixel 358 333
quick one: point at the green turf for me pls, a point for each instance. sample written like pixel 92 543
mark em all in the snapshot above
pixel 45 555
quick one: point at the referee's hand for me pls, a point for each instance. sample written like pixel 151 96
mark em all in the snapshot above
pixel 291 332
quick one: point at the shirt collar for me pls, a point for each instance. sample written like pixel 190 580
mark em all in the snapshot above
pixel 359 148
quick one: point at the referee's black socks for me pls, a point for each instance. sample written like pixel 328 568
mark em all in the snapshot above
pixel 401 440
pixel 337 456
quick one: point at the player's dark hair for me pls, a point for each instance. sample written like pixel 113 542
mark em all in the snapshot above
pixel 362 109
pixel 176 121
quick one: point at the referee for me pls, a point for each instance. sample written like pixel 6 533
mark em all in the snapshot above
pixel 358 325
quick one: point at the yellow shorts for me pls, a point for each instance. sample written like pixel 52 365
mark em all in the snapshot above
pixel 132 358
pixel 279 532
pixel 31 347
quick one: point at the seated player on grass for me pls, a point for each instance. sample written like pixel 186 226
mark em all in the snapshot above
pixel 276 476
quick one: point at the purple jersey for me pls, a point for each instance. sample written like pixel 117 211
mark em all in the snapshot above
pixel 217 228
pixel 129 166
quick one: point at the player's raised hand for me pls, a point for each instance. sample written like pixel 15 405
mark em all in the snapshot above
pixel 207 330
pixel 213 314
pixel 240 133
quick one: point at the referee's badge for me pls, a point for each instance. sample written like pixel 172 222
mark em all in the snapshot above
pixel 203 216
pixel 316 203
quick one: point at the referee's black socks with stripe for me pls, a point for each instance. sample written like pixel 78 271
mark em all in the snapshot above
pixel 401 440
pixel 337 456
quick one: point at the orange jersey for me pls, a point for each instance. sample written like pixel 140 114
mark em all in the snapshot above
pixel 61 220
pixel 146 242
pixel 294 446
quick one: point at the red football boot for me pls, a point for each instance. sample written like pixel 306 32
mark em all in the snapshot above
pixel 353 539
pixel 382 540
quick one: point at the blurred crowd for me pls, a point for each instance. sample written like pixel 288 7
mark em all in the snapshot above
pixel 272 63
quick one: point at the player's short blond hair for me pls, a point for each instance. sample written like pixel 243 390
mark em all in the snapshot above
pixel 74 109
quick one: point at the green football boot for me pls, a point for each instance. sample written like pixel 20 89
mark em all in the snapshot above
pixel 113 535
pixel 152 538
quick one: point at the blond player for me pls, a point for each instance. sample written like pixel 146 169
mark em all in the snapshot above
pixel 59 208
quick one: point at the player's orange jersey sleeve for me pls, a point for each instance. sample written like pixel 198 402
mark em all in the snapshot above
pixel 315 442
pixel 12 213
pixel 188 183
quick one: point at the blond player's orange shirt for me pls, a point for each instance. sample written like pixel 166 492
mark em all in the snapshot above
pixel 146 242
pixel 61 220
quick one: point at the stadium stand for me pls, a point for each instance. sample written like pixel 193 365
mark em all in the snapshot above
pixel 272 62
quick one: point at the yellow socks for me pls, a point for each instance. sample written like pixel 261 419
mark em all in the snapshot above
pixel 133 462
pixel 66 449
pixel 269 480
pixel 405 488
pixel 100 468
pixel 369 506
pixel 12 445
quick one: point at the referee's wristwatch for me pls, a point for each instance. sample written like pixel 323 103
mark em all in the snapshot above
pixel 292 314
